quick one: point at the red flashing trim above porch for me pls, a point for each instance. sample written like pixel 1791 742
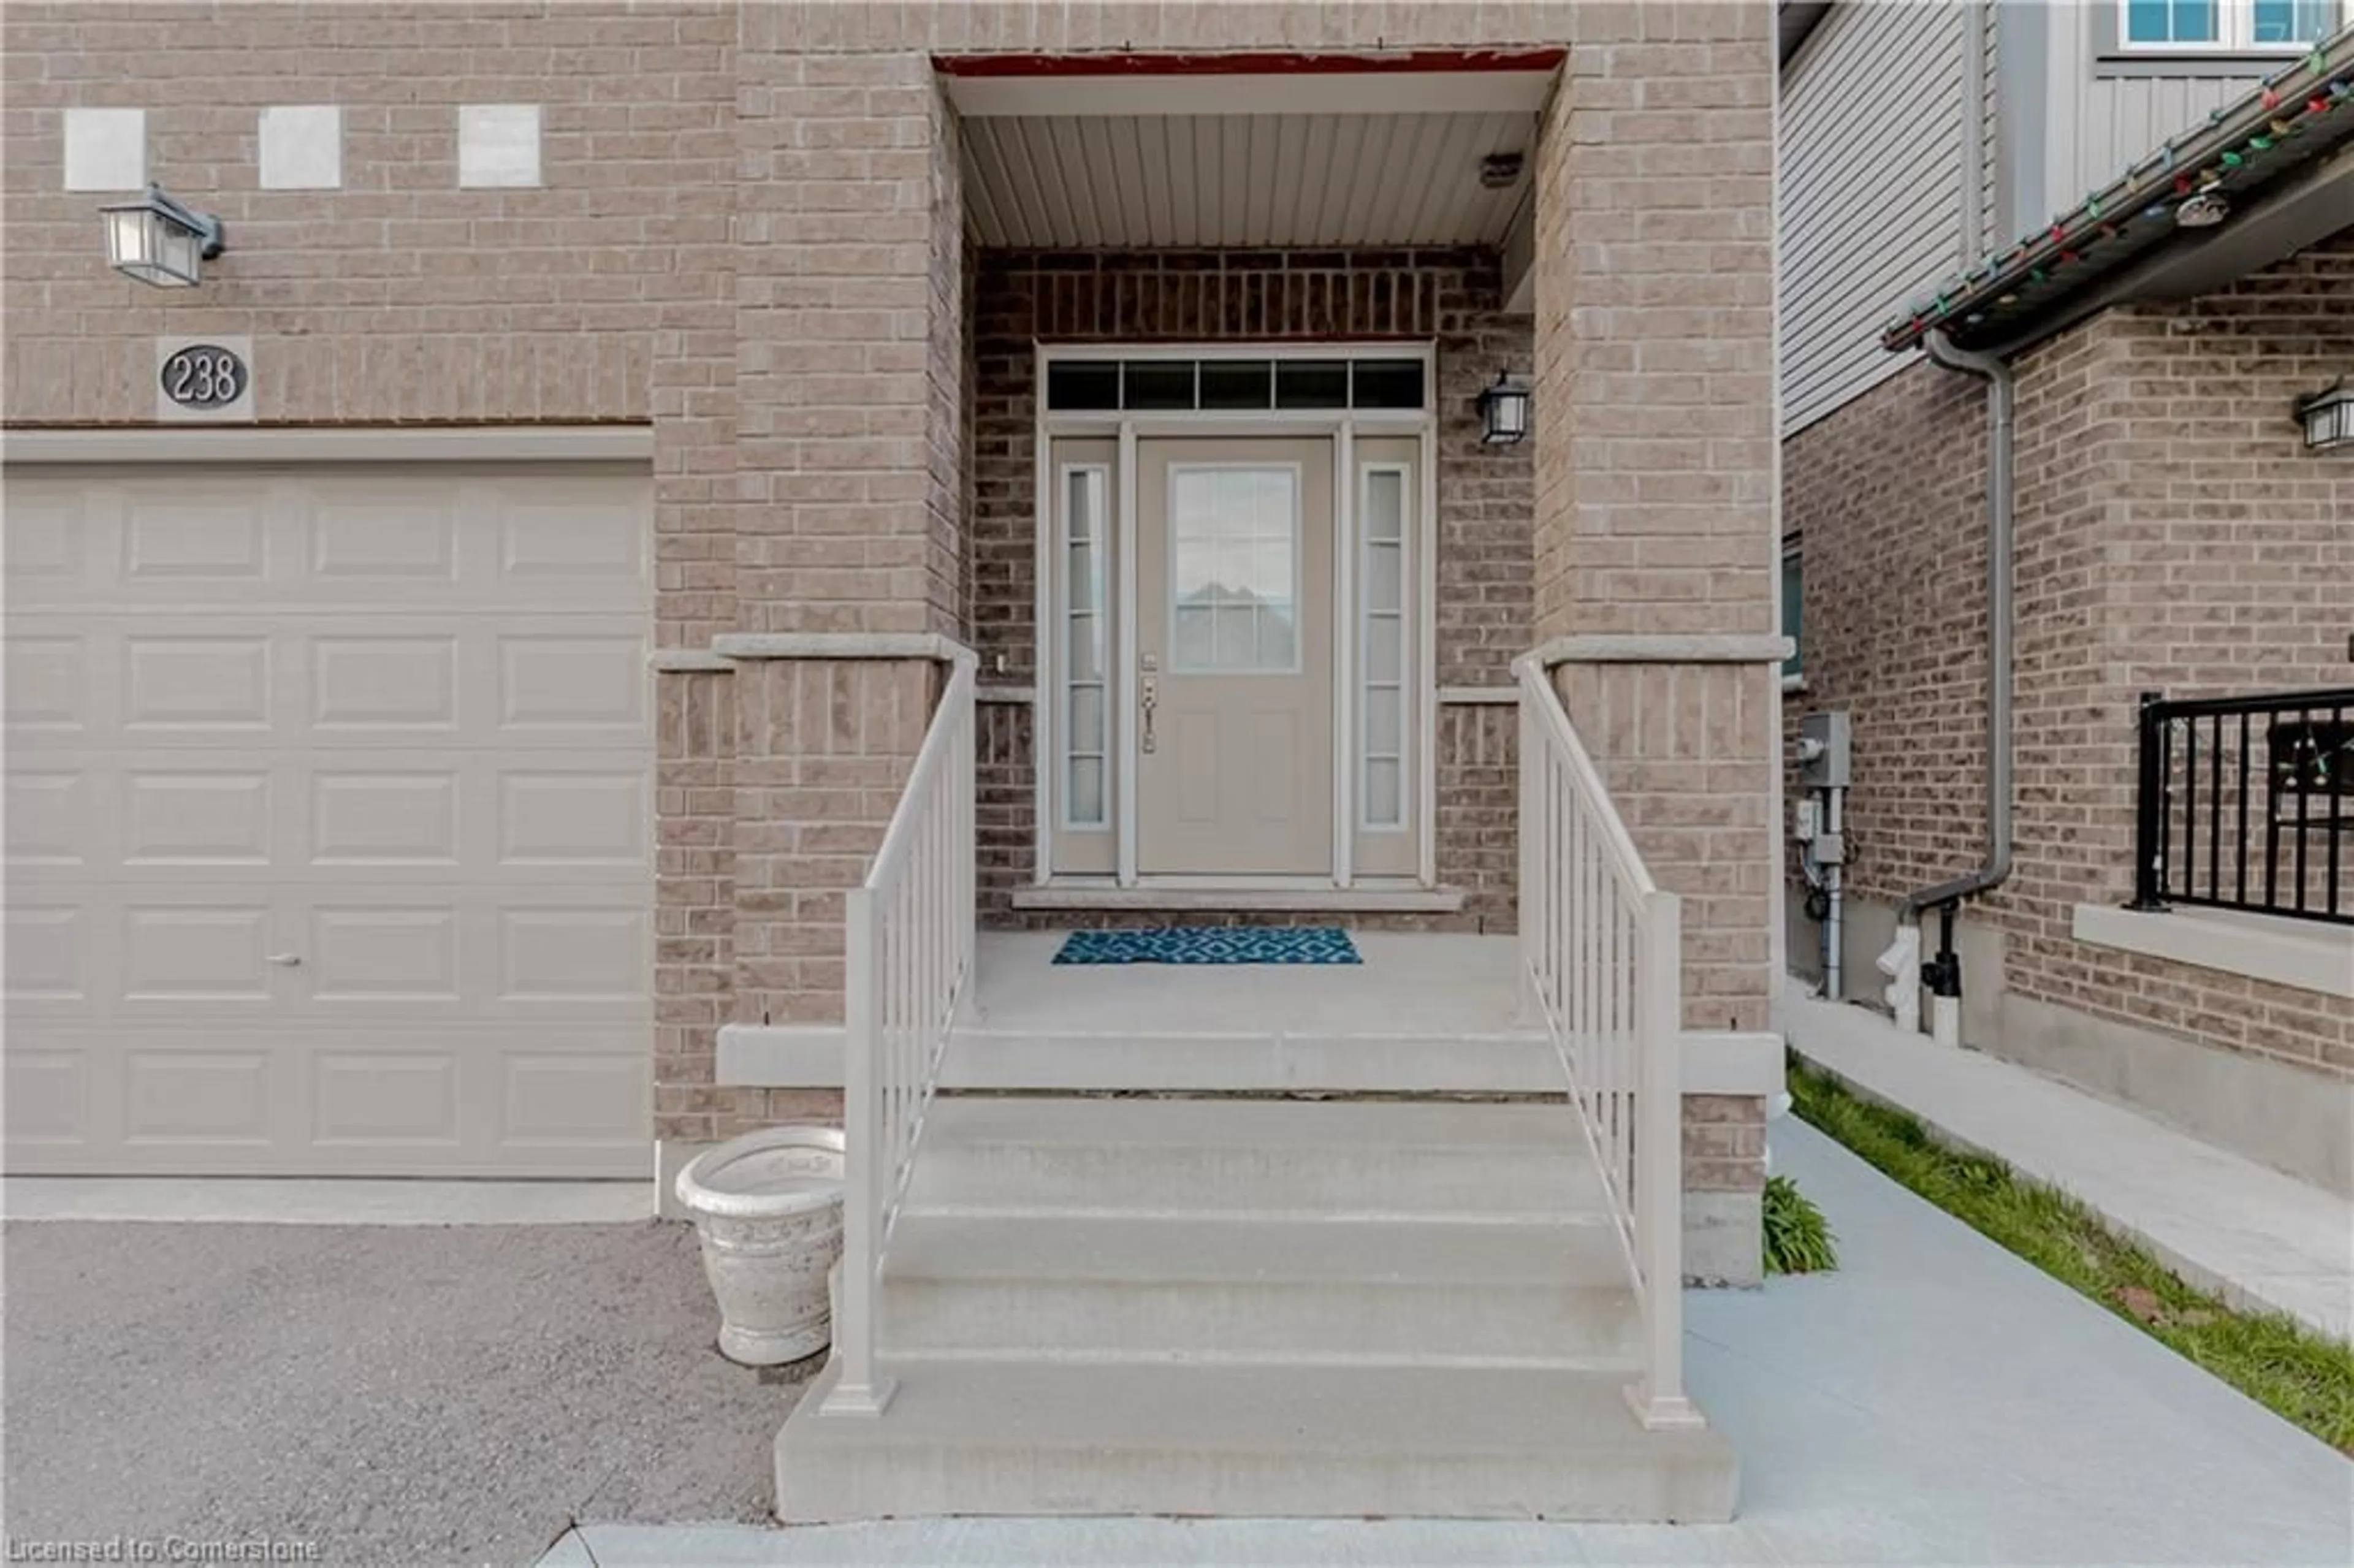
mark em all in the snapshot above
pixel 1248 63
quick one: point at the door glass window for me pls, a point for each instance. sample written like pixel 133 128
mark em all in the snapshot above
pixel 1086 557
pixel 1382 653
pixel 1234 569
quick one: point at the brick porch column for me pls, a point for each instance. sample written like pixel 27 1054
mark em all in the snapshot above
pixel 1655 491
pixel 847 563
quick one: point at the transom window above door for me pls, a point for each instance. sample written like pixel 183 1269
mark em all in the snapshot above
pixel 1233 386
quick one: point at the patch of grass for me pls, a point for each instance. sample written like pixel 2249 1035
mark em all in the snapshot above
pixel 1798 1240
pixel 2300 1374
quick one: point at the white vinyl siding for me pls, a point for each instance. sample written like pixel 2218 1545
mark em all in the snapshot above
pixel 2097 124
pixel 1873 115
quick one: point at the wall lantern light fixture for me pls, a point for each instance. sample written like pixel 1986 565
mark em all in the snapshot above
pixel 157 240
pixel 2326 417
pixel 1503 411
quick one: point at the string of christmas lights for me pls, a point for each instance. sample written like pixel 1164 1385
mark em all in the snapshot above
pixel 2058 247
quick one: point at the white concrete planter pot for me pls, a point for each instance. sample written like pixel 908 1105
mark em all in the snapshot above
pixel 767 1209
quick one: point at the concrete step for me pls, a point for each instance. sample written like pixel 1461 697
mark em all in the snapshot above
pixel 1309 1158
pixel 987 1438
pixel 1163 1059
pixel 1239 1290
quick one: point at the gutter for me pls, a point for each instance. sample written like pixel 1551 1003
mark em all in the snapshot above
pixel 1995 867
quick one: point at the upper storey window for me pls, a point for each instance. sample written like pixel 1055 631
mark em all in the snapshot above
pixel 2163 27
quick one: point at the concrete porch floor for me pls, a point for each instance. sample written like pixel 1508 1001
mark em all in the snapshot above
pixel 1425 1013
pixel 1411 982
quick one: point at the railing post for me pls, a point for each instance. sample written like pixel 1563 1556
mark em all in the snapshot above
pixel 1532 869
pixel 2150 805
pixel 857 1390
pixel 1659 1398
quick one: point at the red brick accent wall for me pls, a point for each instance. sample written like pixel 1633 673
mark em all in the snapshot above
pixel 2171 536
pixel 1454 297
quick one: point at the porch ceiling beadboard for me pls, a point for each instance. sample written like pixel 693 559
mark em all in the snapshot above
pixel 1140 181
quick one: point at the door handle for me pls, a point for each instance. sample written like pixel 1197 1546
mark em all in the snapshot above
pixel 284 960
pixel 1152 700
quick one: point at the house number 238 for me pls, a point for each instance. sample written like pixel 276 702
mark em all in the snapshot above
pixel 204 377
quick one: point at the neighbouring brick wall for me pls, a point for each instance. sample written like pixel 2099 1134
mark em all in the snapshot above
pixel 1452 297
pixel 1887 498
pixel 2172 535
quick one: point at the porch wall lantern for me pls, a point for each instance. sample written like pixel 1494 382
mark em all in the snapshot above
pixel 1505 412
pixel 2327 417
pixel 157 240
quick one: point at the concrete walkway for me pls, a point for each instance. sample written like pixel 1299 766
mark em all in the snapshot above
pixel 2258 1238
pixel 1937 1401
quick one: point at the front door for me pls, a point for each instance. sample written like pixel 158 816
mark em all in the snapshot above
pixel 1233 649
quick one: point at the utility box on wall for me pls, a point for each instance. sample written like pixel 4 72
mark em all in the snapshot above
pixel 1823 750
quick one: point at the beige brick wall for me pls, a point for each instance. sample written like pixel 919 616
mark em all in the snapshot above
pixel 1654 499
pixel 748 237
pixel 2171 536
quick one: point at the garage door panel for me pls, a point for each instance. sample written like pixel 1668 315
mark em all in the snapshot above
pixel 385 533
pixel 366 1100
pixel 50 537
pixel 209 682
pixel 573 535
pixel 210 529
pixel 52 1111
pixel 369 814
pixel 375 680
pixel 45 947
pixel 560 679
pixel 370 537
pixel 197 954
pixel 373 953
pixel 50 820
pixel 214 816
pixel 555 960
pixel 49 678
pixel 586 814
pixel 175 1097
pixel 363 1098
pixel 330 821
pixel 571 1099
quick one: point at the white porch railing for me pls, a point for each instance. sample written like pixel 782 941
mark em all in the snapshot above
pixel 910 954
pixel 1601 952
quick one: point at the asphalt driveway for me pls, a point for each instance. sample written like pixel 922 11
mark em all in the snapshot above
pixel 406 1395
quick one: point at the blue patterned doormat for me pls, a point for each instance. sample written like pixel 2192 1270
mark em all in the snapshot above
pixel 1212 945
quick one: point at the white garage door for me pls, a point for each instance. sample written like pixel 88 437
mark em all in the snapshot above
pixel 329 820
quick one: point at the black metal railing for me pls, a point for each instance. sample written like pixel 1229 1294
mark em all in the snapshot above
pixel 2248 803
